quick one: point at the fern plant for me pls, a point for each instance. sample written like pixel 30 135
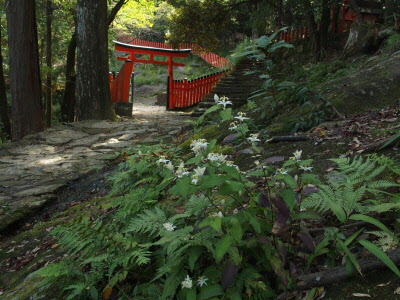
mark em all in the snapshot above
pixel 359 190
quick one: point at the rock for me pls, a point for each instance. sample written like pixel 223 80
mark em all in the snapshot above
pixel 230 138
pixel 96 127
pixel 123 109
pixel 39 190
pixel 84 142
pixel 62 136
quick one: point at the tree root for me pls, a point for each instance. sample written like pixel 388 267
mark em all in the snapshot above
pixel 339 274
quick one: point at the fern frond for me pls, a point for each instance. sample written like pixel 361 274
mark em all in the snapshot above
pixel 150 221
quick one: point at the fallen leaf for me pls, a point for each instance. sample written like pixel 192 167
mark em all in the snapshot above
pixel 384 284
pixel 11 250
pixel 361 295
pixel 36 250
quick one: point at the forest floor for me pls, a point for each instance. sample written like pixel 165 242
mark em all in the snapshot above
pixel 51 177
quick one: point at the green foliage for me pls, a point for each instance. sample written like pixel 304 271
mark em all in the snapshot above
pixel 392 44
pixel 355 192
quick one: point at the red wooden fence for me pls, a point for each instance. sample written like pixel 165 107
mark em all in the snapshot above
pixel 184 93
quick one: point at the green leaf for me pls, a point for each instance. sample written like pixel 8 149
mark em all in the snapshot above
pixel 212 109
pixel 222 247
pixel 350 239
pixel 211 181
pixel 349 255
pixel 231 187
pixel 373 221
pixel 383 257
pixel 194 254
pixel 207 292
pixel 94 294
pixel 190 294
pixel 214 222
pixel 226 114
pixel 288 196
pixel 183 187
pixel 235 229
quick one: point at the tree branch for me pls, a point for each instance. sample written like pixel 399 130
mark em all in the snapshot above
pixel 115 10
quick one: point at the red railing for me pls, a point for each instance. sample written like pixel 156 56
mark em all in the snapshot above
pixel 119 86
pixel 185 93
pixel 294 35
pixel 210 57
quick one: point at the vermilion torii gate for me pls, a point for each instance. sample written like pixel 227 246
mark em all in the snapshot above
pixel 120 85
pixel 181 93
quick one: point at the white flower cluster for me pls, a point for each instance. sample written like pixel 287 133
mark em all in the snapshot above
pixel 198 146
pixel 253 139
pixel 181 171
pixel 241 116
pixel 216 157
pixel 169 226
pixel 188 282
pixel 224 101
pixel 199 172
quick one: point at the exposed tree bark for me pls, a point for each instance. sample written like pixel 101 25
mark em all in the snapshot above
pixel 69 99
pixel 324 26
pixel 68 106
pixel 49 65
pixel 25 86
pixel 4 115
pixel 312 25
pixel 92 83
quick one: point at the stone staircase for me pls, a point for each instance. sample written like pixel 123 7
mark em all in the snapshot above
pixel 237 86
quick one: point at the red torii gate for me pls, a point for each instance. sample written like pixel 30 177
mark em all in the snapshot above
pixel 119 85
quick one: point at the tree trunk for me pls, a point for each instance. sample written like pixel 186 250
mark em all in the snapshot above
pixel 68 106
pixel 25 86
pixel 69 100
pixel 4 115
pixel 92 82
pixel 358 33
pixel 324 27
pixel 312 25
pixel 49 65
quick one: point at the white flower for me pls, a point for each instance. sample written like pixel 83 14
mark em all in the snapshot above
pixel 216 98
pixel 241 116
pixel 297 154
pixel 216 157
pixel 162 159
pixel 195 179
pixel 234 126
pixel 200 171
pixel 219 214
pixel 181 172
pixel 187 283
pixel 169 226
pixel 224 102
pixel 199 145
pixel 305 168
pixel 140 154
pixel 202 281
pixel 170 166
pixel 281 171
pixel 253 138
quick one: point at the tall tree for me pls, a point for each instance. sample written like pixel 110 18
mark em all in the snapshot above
pixel 25 86
pixel 49 64
pixel 4 116
pixel 68 106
